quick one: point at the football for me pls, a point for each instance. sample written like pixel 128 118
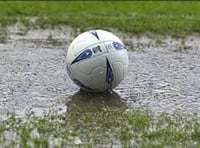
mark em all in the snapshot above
pixel 97 61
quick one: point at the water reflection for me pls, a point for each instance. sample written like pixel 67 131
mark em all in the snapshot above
pixel 89 102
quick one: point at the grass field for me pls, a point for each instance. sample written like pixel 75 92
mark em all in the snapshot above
pixel 89 129
pixel 173 18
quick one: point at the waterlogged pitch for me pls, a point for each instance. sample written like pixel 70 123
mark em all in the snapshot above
pixel 41 107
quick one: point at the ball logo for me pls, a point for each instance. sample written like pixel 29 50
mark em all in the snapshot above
pixel 118 45
pixel 97 49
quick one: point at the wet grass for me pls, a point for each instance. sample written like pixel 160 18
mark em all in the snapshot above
pixel 3 35
pixel 92 129
pixel 173 18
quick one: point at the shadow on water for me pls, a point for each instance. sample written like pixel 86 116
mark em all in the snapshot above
pixel 90 102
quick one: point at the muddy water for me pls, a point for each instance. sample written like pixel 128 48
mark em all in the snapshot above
pixel 164 75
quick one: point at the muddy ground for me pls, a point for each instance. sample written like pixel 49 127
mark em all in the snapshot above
pixel 164 74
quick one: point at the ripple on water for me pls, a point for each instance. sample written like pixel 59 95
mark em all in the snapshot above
pixel 163 81
pixel 34 77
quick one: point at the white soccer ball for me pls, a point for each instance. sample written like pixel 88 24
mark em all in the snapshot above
pixel 97 61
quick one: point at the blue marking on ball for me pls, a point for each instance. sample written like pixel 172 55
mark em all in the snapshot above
pixel 84 55
pixel 109 74
pixel 118 45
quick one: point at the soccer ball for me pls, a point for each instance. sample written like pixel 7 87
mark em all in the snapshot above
pixel 97 61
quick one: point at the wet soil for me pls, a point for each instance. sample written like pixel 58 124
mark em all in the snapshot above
pixel 164 74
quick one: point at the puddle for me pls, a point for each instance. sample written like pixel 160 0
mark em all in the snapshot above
pixel 163 81
pixel 87 102
pixel 163 75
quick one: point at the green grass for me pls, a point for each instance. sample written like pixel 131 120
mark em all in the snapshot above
pixel 89 129
pixel 173 18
